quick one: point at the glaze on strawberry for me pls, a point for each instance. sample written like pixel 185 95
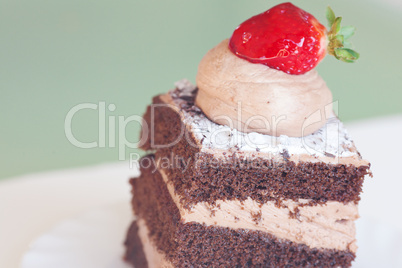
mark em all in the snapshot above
pixel 290 39
pixel 284 37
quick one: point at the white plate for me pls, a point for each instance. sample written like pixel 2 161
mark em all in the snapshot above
pixel 95 239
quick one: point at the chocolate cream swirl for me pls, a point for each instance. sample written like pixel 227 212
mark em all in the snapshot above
pixel 255 98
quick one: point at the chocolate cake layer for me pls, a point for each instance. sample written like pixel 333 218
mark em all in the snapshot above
pixel 197 245
pixel 201 176
pixel 134 249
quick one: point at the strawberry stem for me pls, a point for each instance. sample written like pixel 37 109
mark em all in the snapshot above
pixel 338 37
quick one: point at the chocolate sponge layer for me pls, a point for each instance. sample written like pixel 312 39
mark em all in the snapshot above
pixel 197 245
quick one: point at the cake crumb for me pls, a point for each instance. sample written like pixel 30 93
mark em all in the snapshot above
pixel 295 214
pixel 256 216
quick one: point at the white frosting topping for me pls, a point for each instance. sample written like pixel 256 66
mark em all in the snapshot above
pixel 332 139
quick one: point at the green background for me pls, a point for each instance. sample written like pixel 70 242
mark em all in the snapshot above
pixel 57 54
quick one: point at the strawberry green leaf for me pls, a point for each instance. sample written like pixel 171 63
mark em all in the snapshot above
pixel 340 38
pixel 336 26
pixel 337 42
pixel 347 31
pixel 346 54
pixel 330 16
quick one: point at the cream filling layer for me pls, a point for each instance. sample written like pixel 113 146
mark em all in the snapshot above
pixel 329 226
pixel 154 258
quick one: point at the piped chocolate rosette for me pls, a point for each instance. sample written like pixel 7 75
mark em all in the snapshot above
pixel 263 79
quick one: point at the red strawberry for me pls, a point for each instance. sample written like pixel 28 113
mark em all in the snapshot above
pixel 289 39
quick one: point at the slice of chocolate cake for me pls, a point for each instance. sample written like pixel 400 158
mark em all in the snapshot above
pixel 208 201
pixel 250 168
